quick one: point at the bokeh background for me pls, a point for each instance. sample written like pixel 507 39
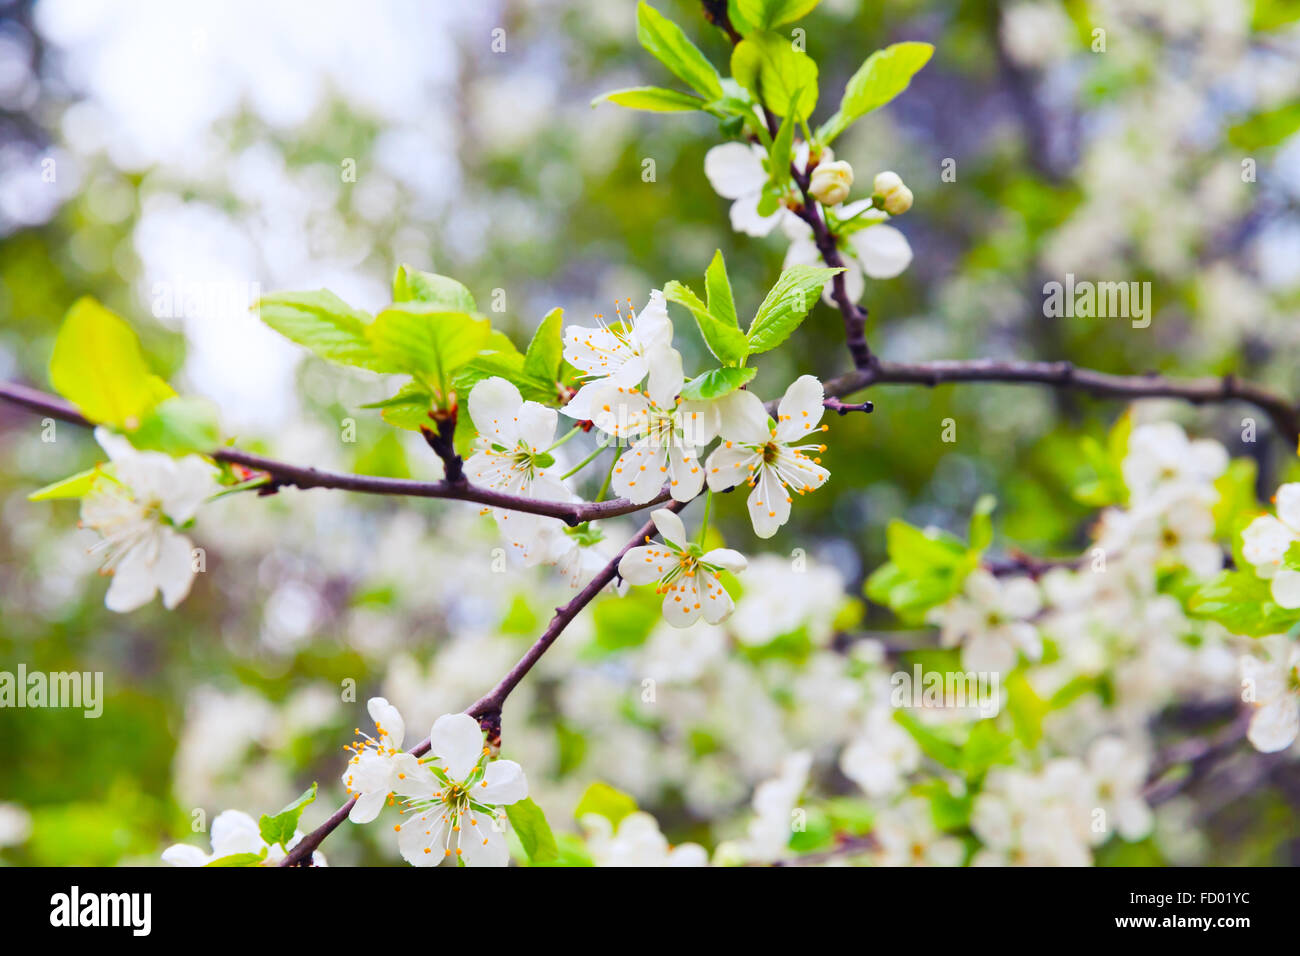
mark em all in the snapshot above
pixel 199 148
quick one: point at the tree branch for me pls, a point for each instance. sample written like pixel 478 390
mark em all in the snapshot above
pixel 487 709
pixel 854 315
pixel 1283 413
pixel 299 476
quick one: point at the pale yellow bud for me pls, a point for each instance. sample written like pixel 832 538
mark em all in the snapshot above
pixel 897 198
pixel 830 182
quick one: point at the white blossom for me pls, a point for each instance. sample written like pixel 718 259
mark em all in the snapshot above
pixel 766 456
pixel 1273 687
pixel 736 171
pixel 618 354
pixel 684 573
pixel 637 841
pixel 378 765
pixel 137 506
pixel 990 620
pixel 666 432
pixel 233 833
pixel 455 799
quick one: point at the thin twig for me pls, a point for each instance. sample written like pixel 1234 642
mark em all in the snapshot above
pixel 487 709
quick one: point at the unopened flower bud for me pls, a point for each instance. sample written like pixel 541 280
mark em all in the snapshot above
pixel 895 198
pixel 830 182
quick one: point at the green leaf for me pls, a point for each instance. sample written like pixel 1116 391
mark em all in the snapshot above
pixel 925 569
pixel 408 409
pixel 281 827
pixel 179 426
pixel 930 740
pixel 428 343
pixel 546 351
pixel 74 486
pixel 1243 603
pixel 656 99
pixel 606 801
pixel 1236 488
pixel 533 831
pixel 239 859
pixel 778 155
pixel 717 382
pixel 717 289
pixel 786 306
pixel 324 323
pixel 1027 709
pixel 666 42
pixel 97 365
pixel 412 285
pixel 948 810
pixel 920 552
pixel 1267 128
pixel 884 75
pixel 768 65
pixel 725 341
pixel 985 747
pixel 981 524
pixel 766 14
pixel 511 367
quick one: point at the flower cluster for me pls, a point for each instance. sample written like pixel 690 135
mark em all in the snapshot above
pixel 452 799
pixel 631 393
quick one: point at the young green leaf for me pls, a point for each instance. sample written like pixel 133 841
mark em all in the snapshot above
pixel 1243 603
pixel 408 409
pixel 605 801
pixel 179 426
pixel 884 75
pixel 725 341
pixel 666 42
pixel 239 859
pixel 428 343
pixel 717 382
pixel 656 99
pixel 411 285
pixel 533 831
pixel 770 67
pixel 97 365
pixel 981 524
pixel 324 323
pixel 766 14
pixel 786 305
pixel 74 486
pixel 546 351
pixel 778 156
pixel 717 289
pixel 280 828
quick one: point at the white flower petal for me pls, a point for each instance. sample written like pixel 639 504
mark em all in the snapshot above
pixel 800 410
pixel 1275 725
pixel 536 425
pixel 482 845
pixel 503 783
pixel 493 406
pixel 640 472
pixel 882 250
pixel 1285 588
pixel 645 564
pixel 387 717
pixel 457 740
pixel 670 526
pixel 182 854
pixel 735 170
